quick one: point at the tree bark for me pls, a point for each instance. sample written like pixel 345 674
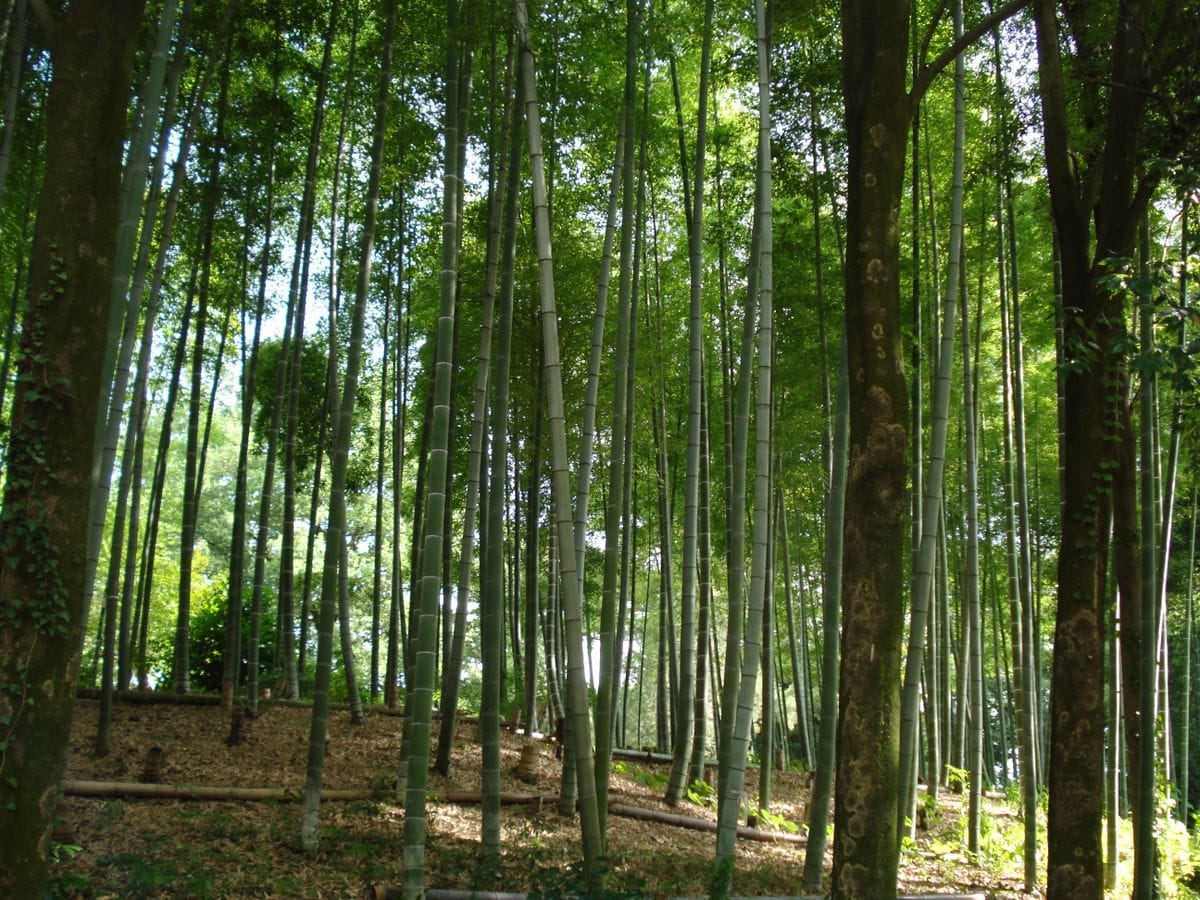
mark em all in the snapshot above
pixel 877 120
pixel 43 524
pixel 1097 200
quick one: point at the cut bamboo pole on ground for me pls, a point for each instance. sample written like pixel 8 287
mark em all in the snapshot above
pixel 382 892
pixel 697 824
pixel 143 791
pixel 649 756
pixel 157 698
pixel 138 790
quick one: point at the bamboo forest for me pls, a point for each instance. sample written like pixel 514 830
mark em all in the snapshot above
pixel 596 449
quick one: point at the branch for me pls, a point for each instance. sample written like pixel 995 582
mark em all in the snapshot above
pixel 930 71
pixel 1165 28
pixel 927 38
pixel 1149 181
pixel 45 19
pixel 1176 59
pixel 1061 173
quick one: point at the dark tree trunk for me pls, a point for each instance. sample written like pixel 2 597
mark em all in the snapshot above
pixel 43 526
pixel 877 122
pixel 1097 198
pixel 878 115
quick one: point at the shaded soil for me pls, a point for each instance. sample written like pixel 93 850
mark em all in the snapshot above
pixel 151 848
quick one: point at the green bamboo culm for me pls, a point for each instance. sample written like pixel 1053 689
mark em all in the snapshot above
pixel 577 703
pixel 123 309
pixel 492 576
pixel 498 182
pixel 731 787
pixel 614 512
pixel 417 723
pixel 932 501
pixel 335 535
pixel 684 700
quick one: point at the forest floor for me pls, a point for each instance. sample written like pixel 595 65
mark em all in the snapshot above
pixel 189 848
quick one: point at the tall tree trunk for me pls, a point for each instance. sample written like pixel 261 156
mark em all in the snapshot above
pixel 766 756
pixel 385 340
pixel 396 625
pixel 666 570
pixel 1114 760
pixel 314 506
pixel 1097 201
pixel 973 700
pixel 1185 713
pixel 44 520
pixel 1145 852
pixel 877 117
pixel 799 675
pixel 917 438
pixel 704 625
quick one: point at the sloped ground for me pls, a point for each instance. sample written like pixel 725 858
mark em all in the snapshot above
pixel 153 848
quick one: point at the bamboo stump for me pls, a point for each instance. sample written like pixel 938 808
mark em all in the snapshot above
pixel 527 767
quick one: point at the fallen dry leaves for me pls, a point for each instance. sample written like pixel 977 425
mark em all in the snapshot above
pixel 154 848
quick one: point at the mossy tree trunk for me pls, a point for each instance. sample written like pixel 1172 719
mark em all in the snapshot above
pixel 43 524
